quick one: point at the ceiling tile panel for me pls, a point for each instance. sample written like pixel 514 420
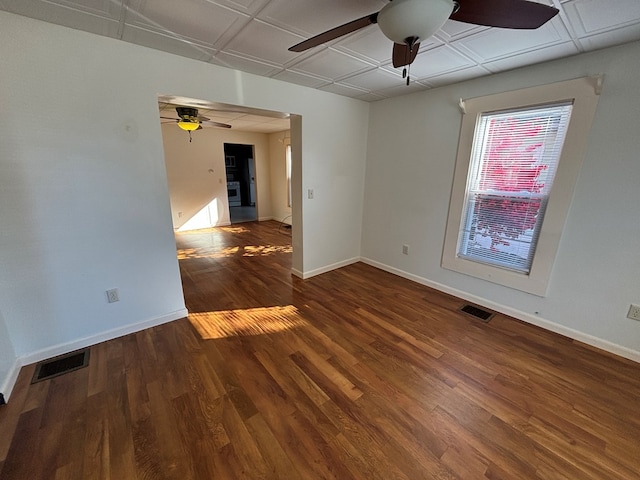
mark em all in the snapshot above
pixel 262 41
pixel 612 37
pixel 452 30
pixel 196 20
pixel 238 62
pixel 166 43
pixel 496 43
pixel 246 6
pixel 439 61
pixel 368 43
pixel 374 80
pixel 301 79
pixel 332 64
pixel 345 90
pixel 106 8
pixel 596 16
pixel 310 17
pixel 529 58
pixel 455 77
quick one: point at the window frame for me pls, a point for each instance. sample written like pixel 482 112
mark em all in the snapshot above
pixel 583 92
pixel 287 162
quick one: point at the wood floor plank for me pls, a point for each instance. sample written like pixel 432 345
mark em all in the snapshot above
pixel 355 374
pixel 96 462
pixel 278 462
pixel 174 457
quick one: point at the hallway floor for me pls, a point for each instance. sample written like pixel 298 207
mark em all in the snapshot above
pixel 242 214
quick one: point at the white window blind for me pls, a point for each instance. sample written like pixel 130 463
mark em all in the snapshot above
pixel 513 163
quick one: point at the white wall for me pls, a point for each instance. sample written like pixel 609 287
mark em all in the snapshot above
pixel 411 156
pixel 192 184
pixel 83 190
pixel 7 358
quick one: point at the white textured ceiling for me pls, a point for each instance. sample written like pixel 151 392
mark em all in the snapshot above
pixel 254 35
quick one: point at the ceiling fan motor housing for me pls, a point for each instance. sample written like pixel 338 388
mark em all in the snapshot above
pixel 187 113
pixel 402 21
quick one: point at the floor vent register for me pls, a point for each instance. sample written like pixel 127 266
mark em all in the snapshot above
pixel 477 312
pixel 61 365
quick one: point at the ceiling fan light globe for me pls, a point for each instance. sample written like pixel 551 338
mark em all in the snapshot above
pixel 404 19
pixel 188 126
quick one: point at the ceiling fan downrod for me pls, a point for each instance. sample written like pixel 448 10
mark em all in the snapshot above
pixel 411 42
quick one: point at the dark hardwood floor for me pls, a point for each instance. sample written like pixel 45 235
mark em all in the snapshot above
pixel 354 374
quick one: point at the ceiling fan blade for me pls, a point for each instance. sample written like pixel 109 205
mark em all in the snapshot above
pixel 403 54
pixel 171 118
pixel 335 33
pixel 517 14
pixel 203 119
pixel 217 124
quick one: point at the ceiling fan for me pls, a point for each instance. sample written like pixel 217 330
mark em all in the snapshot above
pixel 189 120
pixel 408 22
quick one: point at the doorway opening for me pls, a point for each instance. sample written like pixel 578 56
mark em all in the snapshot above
pixel 241 182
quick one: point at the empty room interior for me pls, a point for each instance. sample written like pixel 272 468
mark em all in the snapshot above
pixel 302 240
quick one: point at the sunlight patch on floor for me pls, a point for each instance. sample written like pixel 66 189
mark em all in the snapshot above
pixel 234 229
pixel 262 250
pixel 209 252
pixel 246 322
pixel 228 229
pixel 244 251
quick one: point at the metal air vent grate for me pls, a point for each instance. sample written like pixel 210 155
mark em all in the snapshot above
pixel 61 365
pixel 476 312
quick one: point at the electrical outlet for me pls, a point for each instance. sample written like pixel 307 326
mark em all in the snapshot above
pixel 405 249
pixel 634 312
pixel 112 295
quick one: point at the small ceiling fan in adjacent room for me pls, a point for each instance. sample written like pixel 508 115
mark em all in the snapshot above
pixel 408 22
pixel 189 120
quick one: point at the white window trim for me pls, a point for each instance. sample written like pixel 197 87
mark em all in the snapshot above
pixel 288 166
pixel 584 93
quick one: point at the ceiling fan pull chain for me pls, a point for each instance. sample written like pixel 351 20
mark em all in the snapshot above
pixel 404 72
pixel 189 136
pixel 408 74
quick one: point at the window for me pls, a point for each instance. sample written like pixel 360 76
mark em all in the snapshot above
pixel 288 168
pixel 518 159
pixel 512 168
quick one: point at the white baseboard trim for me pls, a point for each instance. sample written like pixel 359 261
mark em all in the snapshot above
pixel 327 268
pixel 297 273
pixel 62 348
pixel 10 380
pixel 512 312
